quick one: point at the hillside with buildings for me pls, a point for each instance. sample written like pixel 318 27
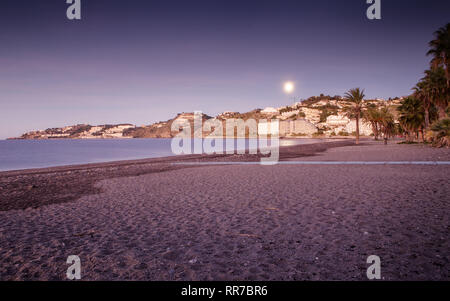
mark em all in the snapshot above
pixel 315 116
pixel 80 131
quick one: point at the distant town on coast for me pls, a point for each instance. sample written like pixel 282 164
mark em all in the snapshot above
pixel 317 116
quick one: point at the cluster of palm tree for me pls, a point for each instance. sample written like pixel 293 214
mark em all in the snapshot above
pixel 440 50
pixel 412 118
pixel 381 120
pixel 426 110
pixel 427 107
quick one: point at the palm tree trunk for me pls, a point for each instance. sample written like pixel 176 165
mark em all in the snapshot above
pixel 375 130
pixel 448 77
pixel 357 128
pixel 442 113
pixel 446 65
pixel 427 118
pixel 410 136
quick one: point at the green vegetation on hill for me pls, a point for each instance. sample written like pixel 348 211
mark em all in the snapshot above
pixel 315 99
pixel 327 110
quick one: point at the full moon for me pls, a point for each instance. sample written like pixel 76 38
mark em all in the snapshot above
pixel 288 87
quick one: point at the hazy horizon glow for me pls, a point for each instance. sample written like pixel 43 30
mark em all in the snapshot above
pixel 146 61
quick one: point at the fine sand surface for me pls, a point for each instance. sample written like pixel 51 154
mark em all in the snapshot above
pixel 151 220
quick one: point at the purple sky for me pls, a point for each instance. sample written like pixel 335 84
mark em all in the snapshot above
pixel 145 61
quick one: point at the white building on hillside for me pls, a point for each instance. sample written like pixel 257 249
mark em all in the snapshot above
pixel 269 110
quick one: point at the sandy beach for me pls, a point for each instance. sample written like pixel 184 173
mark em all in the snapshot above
pixel 153 220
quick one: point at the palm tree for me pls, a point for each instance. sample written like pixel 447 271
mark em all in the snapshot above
pixel 438 90
pixel 373 116
pixel 381 120
pixel 422 91
pixel 356 99
pixel 440 50
pixel 412 117
pixel 432 90
pixel 441 132
pixel 387 123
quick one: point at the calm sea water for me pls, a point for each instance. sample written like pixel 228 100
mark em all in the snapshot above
pixel 25 154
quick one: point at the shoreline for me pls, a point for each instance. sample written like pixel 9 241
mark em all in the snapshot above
pixel 164 159
pixel 33 188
